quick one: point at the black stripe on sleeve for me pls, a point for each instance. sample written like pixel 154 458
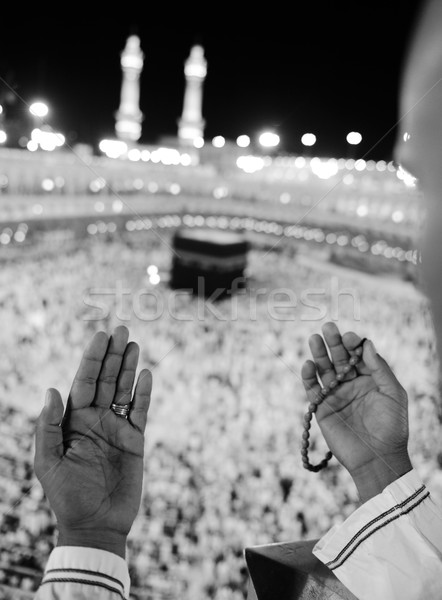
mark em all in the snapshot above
pixel 86 572
pixel 409 509
pixel 84 582
pixel 373 521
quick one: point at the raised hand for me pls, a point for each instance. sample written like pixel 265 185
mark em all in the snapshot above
pixel 365 421
pixel 90 461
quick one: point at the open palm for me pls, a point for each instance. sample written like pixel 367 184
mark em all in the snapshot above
pixel 91 467
pixel 366 418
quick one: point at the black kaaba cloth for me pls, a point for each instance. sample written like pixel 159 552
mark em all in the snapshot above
pixel 289 571
pixel 208 261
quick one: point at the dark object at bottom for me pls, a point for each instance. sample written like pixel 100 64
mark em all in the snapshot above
pixel 208 262
pixel 289 571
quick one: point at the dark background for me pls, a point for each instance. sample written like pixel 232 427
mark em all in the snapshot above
pixel 324 67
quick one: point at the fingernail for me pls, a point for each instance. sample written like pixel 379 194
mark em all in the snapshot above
pixel 371 349
pixel 48 398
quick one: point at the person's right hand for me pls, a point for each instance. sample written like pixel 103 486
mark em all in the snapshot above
pixel 90 462
pixel 365 421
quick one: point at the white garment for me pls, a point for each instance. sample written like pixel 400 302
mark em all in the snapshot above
pixel 390 548
pixel 77 573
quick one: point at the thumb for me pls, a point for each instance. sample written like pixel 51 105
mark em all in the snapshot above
pixel 49 435
pixel 383 376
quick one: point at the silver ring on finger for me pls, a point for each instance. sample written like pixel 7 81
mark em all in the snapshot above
pixel 121 410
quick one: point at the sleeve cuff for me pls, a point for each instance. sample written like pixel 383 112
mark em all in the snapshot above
pixel 398 498
pixel 88 566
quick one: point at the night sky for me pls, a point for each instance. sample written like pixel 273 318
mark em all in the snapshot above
pixel 321 67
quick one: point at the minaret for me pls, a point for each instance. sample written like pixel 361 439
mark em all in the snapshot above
pixel 191 125
pixel 129 116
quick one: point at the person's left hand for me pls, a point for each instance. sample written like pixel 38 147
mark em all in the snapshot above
pixel 364 420
pixel 90 462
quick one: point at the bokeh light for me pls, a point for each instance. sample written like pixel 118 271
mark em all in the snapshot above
pixel 269 139
pixel 354 138
pixel 243 141
pixel 39 109
pixel 308 139
pixel 218 141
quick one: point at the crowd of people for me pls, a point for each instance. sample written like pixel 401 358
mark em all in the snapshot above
pixel 223 464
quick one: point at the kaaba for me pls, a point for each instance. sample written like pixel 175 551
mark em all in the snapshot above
pixel 289 571
pixel 208 262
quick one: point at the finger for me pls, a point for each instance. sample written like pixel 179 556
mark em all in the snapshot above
pixel 84 385
pixel 352 341
pixel 110 369
pixel 383 376
pixel 48 434
pixel 310 380
pixel 339 354
pixel 141 401
pixel 320 356
pixel 126 377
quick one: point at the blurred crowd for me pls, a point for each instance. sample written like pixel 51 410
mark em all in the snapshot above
pixel 223 465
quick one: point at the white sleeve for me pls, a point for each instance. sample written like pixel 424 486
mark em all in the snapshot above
pixel 77 573
pixel 390 548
